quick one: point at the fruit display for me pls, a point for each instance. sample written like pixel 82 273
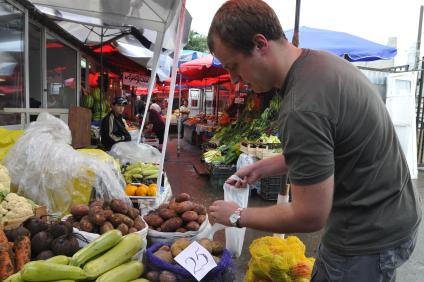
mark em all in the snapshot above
pixel 102 216
pixel 104 259
pixel 141 190
pixel 139 172
pixel 179 215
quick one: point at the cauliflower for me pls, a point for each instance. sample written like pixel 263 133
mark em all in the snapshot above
pixel 17 207
pixel 4 179
pixel 3 211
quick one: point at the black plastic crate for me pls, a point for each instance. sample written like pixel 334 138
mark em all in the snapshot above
pixel 219 174
pixel 271 187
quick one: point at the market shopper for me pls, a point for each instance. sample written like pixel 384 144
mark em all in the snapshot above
pixel 156 123
pixel 113 128
pixel 341 153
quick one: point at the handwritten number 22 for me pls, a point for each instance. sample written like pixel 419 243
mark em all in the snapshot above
pixel 197 267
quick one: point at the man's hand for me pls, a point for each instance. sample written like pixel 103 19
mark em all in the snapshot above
pixel 248 174
pixel 220 211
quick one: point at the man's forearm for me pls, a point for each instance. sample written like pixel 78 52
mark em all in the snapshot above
pixel 272 166
pixel 279 218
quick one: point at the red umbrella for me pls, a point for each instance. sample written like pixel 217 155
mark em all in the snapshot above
pixel 209 81
pixel 200 68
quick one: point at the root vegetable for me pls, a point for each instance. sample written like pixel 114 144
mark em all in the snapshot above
pixel 119 206
pixel 133 213
pixel 45 255
pixel 139 223
pixel 193 226
pixel 106 227
pixel 118 218
pixel 97 216
pixel 164 255
pixel 167 213
pixel 35 225
pixel 22 250
pixel 167 276
pixel 123 228
pixel 40 242
pixel 171 224
pixel 153 220
pixel 201 219
pixel 189 216
pixel 79 211
pixel 184 206
pixel 182 197
pixel 200 209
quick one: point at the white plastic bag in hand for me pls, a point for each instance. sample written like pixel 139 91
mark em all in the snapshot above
pixel 234 237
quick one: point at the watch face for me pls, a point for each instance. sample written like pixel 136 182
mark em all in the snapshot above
pixel 233 218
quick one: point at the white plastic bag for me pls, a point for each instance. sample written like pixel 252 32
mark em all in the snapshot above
pixel 245 160
pixel 130 152
pixel 47 170
pixel 234 237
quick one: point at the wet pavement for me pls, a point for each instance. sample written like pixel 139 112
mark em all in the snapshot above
pixel 183 178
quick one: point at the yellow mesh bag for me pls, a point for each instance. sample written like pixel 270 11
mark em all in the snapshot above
pixel 278 259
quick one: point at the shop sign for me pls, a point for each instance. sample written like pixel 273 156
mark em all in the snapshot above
pixel 135 79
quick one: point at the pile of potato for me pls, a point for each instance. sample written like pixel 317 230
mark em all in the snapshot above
pixel 167 254
pixel 102 216
pixel 179 215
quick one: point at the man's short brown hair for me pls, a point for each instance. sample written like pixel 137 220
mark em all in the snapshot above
pixel 238 21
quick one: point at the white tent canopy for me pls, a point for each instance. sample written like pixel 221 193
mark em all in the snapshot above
pixel 161 21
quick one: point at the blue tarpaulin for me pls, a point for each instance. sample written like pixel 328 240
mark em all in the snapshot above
pixel 351 47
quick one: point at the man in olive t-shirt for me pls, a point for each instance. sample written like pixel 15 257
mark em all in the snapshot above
pixel 341 152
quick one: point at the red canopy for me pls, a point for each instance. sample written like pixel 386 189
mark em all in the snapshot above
pixel 201 68
pixel 209 81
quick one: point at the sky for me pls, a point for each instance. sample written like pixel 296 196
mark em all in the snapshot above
pixel 375 20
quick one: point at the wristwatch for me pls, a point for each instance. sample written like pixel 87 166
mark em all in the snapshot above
pixel 235 218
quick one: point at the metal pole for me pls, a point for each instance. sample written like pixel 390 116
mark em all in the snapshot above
pixel 101 70
pixel 179 125
pixel 295 39
pixel 420 94
pixel 420 26
pixel 178 40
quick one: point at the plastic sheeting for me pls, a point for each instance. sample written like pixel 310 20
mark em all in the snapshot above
pixel 46 169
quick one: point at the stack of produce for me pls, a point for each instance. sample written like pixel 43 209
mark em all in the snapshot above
pixel 161 263
pixel 141 190
pixel 100 106
pixel 103 216
pixel 250 126
pixel 14 253
pixel 278 259
pixel 139 172
pixel 108 258
pixel 179 215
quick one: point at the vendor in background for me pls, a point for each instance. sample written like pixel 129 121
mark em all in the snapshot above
pixel 113 128
pixel 346 167
pixel 164 107
pixel 139 107
pixel 155 106
pixel 156 124
pixel 184 112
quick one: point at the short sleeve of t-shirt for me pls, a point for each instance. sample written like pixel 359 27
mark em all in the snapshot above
pixel 308 147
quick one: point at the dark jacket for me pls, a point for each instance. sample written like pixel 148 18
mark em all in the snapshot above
pixel 113 130
pixel 158 124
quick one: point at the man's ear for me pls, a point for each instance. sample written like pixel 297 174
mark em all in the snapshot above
pixel 260 42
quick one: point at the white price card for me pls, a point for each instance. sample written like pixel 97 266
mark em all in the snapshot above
pixel 197 260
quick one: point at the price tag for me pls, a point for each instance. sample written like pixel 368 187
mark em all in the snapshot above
pixel 239 100
pixel 197 260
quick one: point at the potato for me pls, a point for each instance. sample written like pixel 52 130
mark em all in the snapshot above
pixel 139 223
pixel 183 207
pixel 216 259
pixel 153 276
pixel 164 255
pixel 132 230
pixel 192 226
pixel 189 216
pixel 167 276
pixel 106 227
pixel 171 224
pixel 153 220
pixel 206 243
pixel 167 213
pixel 179 245
pixel 183 197
pixel 165 248
pixel 86 225
pixel 163 206
pixel 118 218
pixel 119 206
pixel 97 216
pixel 200 209
pixel 108 214
pixel 133 213
pixel 106 205
pixel 181 229
pixel 201 219
pixel 79 211
pixel 123 228
pixel 217 248
pixel 172 204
